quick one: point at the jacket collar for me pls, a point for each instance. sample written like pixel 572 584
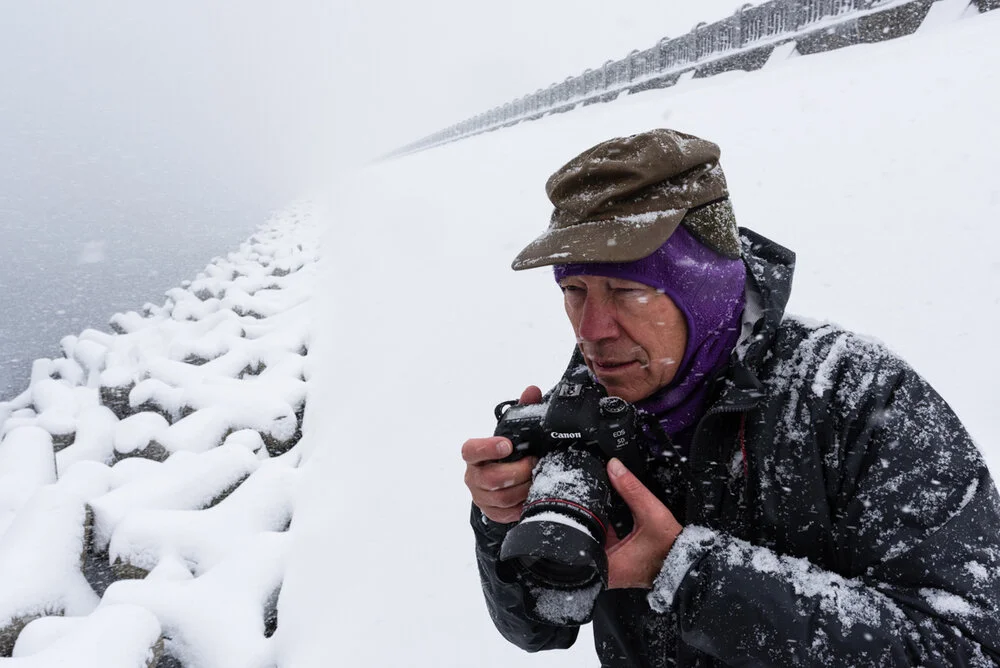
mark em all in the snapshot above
pixel 770 268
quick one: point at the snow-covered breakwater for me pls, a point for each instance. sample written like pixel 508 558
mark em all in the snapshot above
pixel 147 477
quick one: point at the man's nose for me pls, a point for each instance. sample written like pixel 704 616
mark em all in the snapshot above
pixel 597 320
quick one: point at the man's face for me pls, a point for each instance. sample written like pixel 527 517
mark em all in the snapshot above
pixel 632 336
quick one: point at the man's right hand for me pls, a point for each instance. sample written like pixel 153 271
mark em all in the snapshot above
pixel 499 489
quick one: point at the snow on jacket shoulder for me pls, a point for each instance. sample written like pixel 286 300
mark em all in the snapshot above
pixel 868 530
pixel 863 527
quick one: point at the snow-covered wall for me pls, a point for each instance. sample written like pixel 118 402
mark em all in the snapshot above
pixel 744 41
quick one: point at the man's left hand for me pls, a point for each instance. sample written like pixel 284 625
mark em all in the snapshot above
pixel 635 560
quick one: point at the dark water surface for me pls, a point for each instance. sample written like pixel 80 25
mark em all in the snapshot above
pixel 61 273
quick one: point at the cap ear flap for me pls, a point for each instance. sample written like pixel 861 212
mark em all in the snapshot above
pixel 714 225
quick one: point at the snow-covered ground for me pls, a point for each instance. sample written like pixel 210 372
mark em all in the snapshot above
pixel 875 163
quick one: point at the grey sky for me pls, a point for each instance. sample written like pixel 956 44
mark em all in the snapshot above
pixel 256 99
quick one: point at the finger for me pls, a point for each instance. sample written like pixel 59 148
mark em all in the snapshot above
pixel 492 476
pixel 481 450
pixel 637 497
pixel 502 515
pixel 531 395
pixel 512 497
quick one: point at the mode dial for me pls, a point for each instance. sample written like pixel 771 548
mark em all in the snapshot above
pixel 613 405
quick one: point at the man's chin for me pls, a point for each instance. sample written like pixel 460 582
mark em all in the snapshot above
pixel 616 380
pixel 618 390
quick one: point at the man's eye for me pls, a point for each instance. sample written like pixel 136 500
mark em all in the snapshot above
pixel 571 288
pixel 633 295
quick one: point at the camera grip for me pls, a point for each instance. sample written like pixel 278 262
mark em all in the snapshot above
pixel 521 425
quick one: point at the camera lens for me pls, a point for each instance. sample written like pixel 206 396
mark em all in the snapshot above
pixel 560 539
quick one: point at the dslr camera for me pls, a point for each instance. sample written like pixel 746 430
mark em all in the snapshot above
pixel 558 544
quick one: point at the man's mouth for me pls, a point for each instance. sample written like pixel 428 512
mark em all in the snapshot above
pixel 611 365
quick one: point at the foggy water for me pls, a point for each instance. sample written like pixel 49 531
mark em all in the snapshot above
pixel 139 141
pixel 61 274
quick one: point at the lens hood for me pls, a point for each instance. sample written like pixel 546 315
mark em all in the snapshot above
pixel 556 553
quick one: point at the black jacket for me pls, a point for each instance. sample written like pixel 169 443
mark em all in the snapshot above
pixel 861 528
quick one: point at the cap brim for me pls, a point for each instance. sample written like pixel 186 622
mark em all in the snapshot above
pixel 622 239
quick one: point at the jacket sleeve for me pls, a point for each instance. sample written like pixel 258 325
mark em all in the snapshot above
pixel 505 597
pixel 916 529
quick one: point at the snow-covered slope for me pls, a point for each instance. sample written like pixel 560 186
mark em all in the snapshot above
pixel 875 163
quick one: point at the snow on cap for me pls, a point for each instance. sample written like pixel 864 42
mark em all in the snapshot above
pixel 620 200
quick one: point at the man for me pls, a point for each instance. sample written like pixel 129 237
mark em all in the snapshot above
pixel 822 505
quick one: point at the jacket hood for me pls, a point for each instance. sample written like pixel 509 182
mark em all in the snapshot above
pixel 770 267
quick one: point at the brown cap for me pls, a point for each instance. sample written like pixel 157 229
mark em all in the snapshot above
pixel 620 200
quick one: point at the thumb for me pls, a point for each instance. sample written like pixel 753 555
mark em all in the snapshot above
pixel 531 395
pixel 637 496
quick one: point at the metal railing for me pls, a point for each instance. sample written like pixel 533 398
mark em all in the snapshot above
pixel 741 41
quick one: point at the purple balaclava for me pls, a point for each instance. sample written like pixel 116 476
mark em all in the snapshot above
pixel 708 288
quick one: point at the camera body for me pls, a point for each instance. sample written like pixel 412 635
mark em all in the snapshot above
pixel 558 544
pixel 577 414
